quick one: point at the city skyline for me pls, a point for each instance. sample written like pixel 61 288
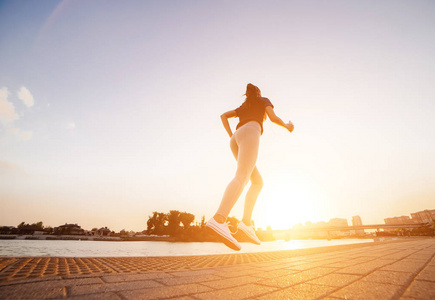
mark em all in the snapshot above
pixel 110 111
pixel 426 216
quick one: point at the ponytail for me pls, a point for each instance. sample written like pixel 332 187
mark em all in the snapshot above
pixel 252 93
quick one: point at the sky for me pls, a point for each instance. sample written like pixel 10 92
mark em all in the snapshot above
pixel 110 110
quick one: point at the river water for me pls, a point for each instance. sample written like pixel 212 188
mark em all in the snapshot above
pixel 147 248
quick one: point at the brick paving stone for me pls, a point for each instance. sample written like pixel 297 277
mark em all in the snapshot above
pixel 363 259
pixel 164 292
pixel 421 290
pixel 230 282
pixel 366 290
pixel 134 277
pixel 54 284
pixel 276 273
pixel 55 281
pixel 242 292
pixel 323 256
pixel 270 268
pixel 376 254
pixel 293 259
pixel 78 281
pixel 28 292
pixel 187 279
pixel 420 256
pixel 400 255
pixel 296 278
pixel 228 273
pixel 237 268
pixel 337 280
pixel 365 268
pixel 111 287
pixel 405 266
pixel 341 264
pixel 399 278
pixel 320 271
pixel 329 261
pixel 195 272
pixel 427 274
pixel 300 291
pixel 305 266
pixel 99 296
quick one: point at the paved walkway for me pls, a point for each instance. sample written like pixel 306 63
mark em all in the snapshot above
pixel 386 270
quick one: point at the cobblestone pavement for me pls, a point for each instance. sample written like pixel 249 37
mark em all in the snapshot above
pixel 387 270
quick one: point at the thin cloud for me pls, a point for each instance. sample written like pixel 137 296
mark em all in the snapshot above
pixel 8 114
pixel 10 167
pixel 70 126
pixel 7 165
pixel 7 109
pixel 20 134
pixel 25 96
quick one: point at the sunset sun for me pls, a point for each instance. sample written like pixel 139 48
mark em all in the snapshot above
pixel 284 205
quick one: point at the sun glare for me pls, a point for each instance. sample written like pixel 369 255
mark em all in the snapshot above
pixel 283 206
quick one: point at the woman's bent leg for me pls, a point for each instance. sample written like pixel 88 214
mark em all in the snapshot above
pixel 252 195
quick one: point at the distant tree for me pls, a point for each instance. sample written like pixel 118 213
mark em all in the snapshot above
pixel 173 222
pixel 21 225
pixel 48 229
pixel 151 223
pixel 156 223
pixel 38 224
pixel 162 218
pixel 202 225
pixel 94 229
pixel 186 219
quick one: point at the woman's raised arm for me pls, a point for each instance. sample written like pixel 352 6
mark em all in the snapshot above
pixel 277 120
pixel 224 119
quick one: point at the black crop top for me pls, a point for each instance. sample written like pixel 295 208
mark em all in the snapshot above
pixel 255 112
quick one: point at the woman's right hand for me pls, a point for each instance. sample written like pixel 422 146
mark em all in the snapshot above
pixel 290 126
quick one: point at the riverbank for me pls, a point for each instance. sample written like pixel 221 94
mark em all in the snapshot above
pixel 402 269
pixel 77 248
pixel 146 238
pixel 86 238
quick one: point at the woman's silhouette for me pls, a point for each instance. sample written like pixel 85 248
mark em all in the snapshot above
pixel 244 144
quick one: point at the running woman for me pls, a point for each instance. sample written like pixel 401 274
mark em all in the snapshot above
pixel 244 144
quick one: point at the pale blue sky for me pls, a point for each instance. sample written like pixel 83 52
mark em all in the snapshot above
pixel 127 97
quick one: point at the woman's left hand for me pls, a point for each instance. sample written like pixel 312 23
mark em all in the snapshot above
pixel 290 126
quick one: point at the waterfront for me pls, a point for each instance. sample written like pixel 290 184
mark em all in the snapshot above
pixel 17 248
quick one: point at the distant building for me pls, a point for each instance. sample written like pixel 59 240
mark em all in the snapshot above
pixel 424 216
pixel 70 229
pixel 103 231
pixel 356 221
pixel 399 220
pixel 320 224
pixel 337 222
pixel 7 229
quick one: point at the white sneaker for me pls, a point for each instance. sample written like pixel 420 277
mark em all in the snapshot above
pixel 224 233
pixel 249 232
